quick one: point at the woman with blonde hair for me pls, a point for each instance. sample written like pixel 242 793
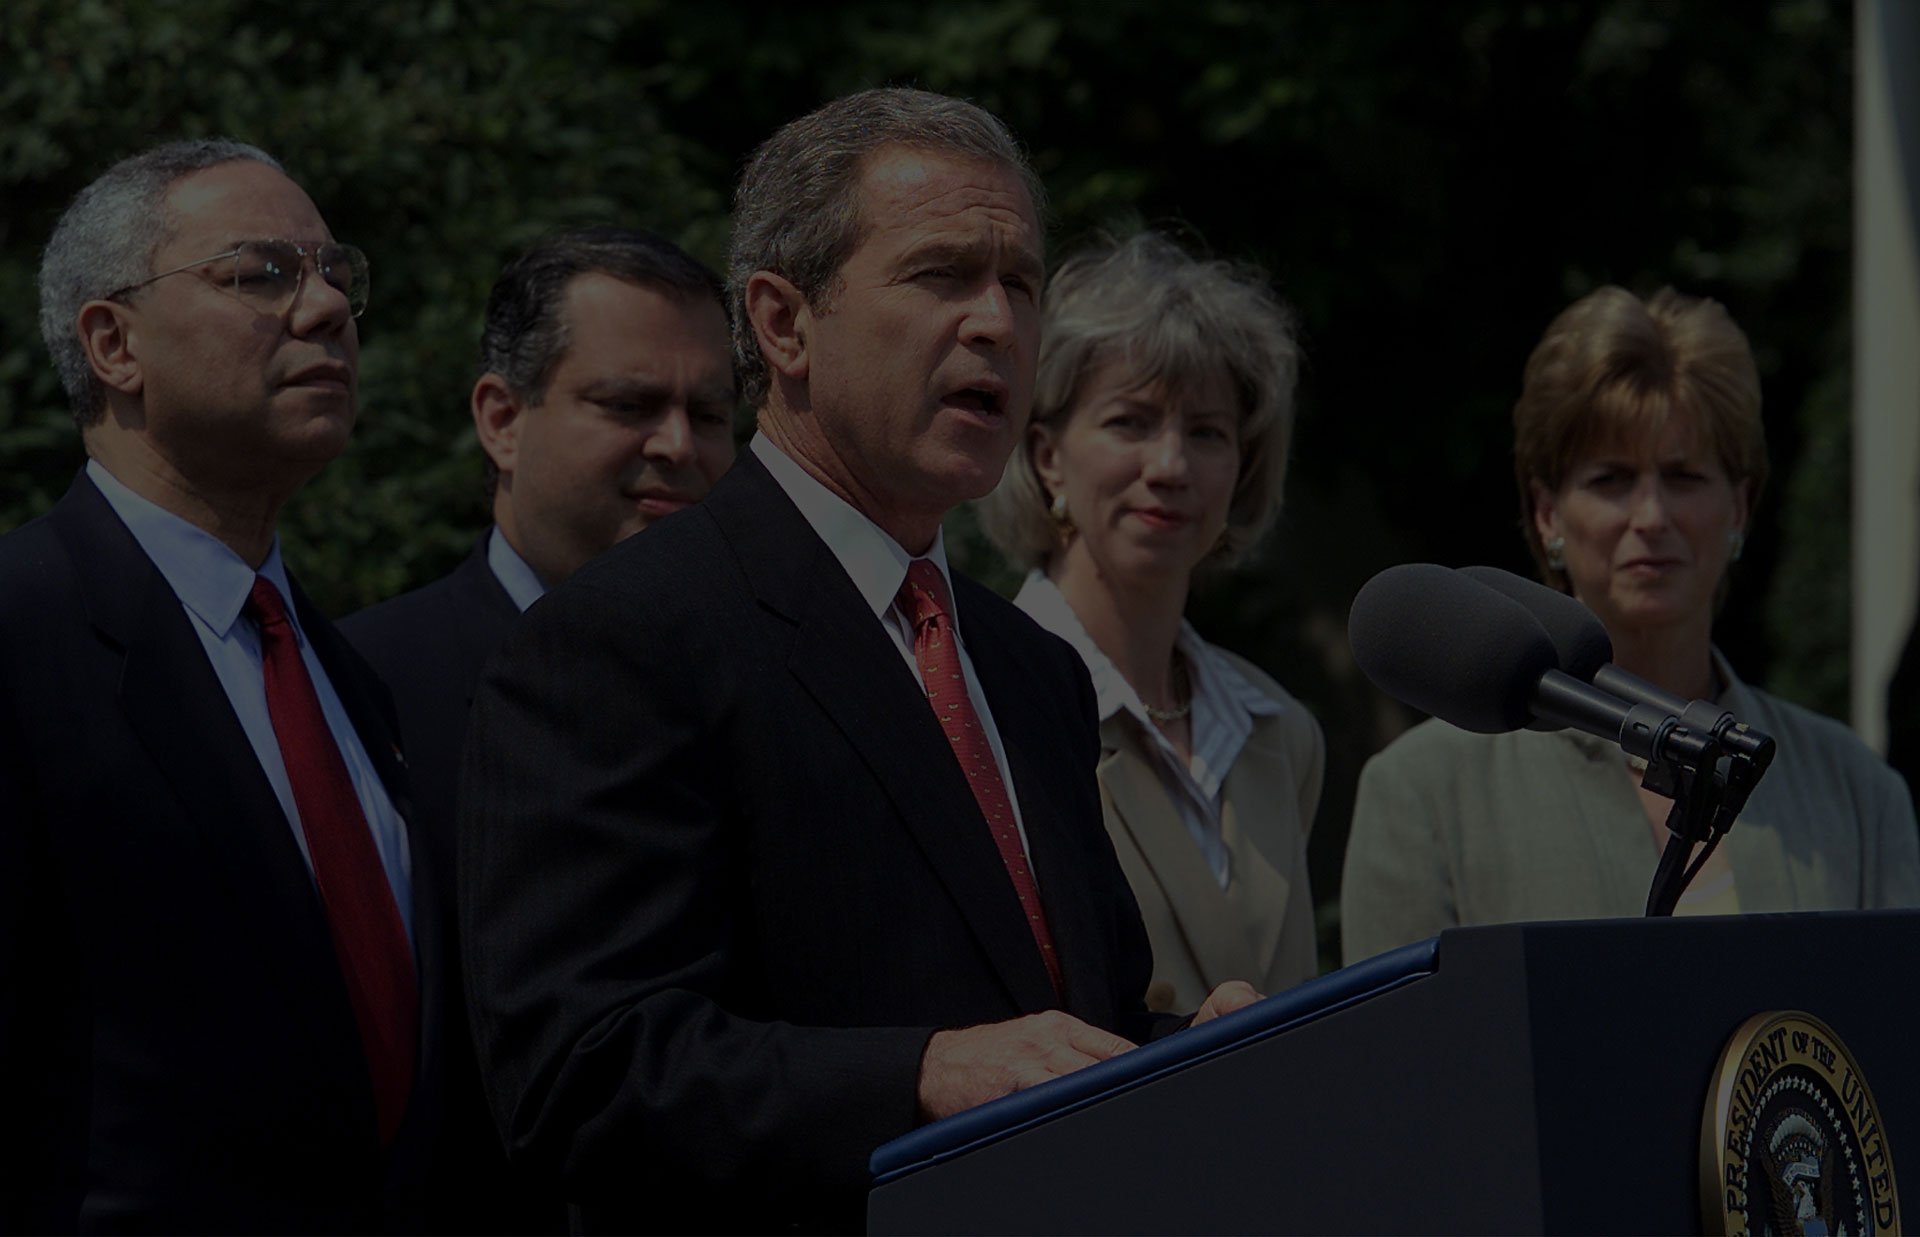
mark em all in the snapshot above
pixel 1639 456
pixel 1162 412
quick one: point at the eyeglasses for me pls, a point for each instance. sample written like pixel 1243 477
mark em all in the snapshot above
pixel 267 274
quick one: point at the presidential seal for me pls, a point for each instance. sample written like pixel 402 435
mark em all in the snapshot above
pixel 1791 1142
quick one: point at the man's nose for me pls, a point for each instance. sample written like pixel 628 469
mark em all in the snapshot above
pixel 989 317
pixel 317 305
pixel 671 440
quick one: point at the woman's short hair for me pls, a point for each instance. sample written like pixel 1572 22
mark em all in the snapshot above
pixel 1612 369
pixel 1175 320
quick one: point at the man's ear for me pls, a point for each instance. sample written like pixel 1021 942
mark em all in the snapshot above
pixel 107 336
pixel 782 321
pixel 496 421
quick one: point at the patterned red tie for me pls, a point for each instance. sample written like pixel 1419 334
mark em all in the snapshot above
pixel 368 934
pixel 923 598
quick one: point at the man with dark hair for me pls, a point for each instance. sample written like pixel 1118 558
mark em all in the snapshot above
pixel 219 956
pixel 606 402
pixel 779 837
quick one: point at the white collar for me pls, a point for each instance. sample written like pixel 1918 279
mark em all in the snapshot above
pixel 874 561
pixel 1213 675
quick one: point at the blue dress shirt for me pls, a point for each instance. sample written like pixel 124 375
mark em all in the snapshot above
pixel 515 574
pixel 212 583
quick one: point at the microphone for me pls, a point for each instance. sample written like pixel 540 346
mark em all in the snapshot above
pixel 1448 645
pixel 1586 653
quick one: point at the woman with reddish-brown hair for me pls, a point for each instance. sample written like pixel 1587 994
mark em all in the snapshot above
pixel 1639 454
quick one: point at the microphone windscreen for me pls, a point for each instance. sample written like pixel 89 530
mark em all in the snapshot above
pixel 1577 634
pixel 1447 645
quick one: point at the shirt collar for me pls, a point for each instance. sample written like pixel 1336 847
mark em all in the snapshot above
pixel 874 561
pixel 1046 605
pixel 1215 678
pixel 514 573
pixel 204 573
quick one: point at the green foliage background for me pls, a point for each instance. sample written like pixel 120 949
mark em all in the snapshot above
pixel 1428 182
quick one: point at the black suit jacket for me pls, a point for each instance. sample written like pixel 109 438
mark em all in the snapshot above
pixel 430 646
pixel 176 1044
pixel 722 876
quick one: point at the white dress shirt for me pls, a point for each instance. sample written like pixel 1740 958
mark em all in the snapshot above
pixel 877 565
pixel 1224 706
pixel 212 583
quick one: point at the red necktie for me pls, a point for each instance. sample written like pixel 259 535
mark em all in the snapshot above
pixel 368 934
pixel 924 600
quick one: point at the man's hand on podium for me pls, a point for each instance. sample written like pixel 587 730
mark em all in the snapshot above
pixel 968 1067
pixel 1232 995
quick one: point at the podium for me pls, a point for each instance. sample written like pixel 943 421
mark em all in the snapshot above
pixel 1524 1078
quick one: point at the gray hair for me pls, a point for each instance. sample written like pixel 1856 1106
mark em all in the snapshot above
pixel 796 212
pixel 1175 320
pixel 106 241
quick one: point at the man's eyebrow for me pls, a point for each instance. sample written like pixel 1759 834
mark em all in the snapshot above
pixel 623 388
pixel 651 389
pixel 1026 259
pixel 939 250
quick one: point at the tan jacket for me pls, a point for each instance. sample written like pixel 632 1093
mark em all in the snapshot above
pixel 1260 928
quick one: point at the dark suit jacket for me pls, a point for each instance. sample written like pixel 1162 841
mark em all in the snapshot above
pixel 722 877
pixel 430 646
pixel 177 1050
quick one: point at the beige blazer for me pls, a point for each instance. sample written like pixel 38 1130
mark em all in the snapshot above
pixel 1260 928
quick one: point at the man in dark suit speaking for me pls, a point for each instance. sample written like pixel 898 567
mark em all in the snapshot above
pixel 605 401
pixel 778 838
pixel 218 963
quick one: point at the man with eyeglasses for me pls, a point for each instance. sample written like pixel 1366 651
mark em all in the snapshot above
pixel 219 959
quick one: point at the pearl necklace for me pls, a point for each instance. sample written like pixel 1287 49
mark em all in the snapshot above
pixel 1172 715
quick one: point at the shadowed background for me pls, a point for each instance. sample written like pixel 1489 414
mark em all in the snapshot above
pixel 1427 183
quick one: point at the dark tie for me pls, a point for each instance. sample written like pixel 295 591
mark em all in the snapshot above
pixel 923 598
pixel 368 934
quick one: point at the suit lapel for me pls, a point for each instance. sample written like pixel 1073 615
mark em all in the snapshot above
pixel 174 702
pixel 1260 786
pixel 844 660
pixel 1148 815
pixel 1027 728
pixel 355 684
pixel 480 612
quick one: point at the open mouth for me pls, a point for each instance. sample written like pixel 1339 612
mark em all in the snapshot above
pixel 987 401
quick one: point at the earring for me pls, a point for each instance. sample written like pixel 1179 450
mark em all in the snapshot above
pixel 1557 554
pixel 1062 522
pixel 1738 541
